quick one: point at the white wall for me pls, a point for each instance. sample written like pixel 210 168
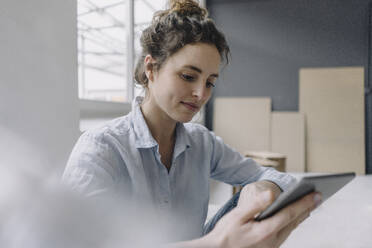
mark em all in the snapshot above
pixel 38 78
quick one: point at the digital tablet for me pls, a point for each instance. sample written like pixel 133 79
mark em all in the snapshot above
pixel 327 185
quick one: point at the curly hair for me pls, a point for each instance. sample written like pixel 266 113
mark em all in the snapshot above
pixel 185 22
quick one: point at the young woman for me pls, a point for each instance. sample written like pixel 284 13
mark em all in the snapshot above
pixel 153 154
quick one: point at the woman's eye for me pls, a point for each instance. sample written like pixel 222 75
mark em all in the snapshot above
pixel 209 84
pixel 187 77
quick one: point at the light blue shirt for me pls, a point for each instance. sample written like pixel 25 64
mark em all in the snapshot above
pixel 123 158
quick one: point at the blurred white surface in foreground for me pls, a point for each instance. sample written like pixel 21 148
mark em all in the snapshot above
pixel 36 211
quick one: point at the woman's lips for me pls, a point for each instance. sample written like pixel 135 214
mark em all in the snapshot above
pixel 191 106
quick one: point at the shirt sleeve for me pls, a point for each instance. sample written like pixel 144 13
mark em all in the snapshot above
pixel 93 166
pixel 229 166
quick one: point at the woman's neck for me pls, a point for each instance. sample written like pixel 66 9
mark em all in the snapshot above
pixel 161 126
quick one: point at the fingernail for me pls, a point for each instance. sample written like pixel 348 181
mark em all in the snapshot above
pixel 317 199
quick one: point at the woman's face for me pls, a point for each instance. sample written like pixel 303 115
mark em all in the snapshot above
pixel 184 82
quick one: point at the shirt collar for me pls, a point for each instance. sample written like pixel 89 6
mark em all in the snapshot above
pixel 182 140
pixel 143 136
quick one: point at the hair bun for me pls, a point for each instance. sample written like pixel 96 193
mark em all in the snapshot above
pixel 188 8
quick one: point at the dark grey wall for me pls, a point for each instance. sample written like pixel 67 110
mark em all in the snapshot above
pixel 271 39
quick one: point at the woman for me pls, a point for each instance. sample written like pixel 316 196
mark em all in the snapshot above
pixel 152 155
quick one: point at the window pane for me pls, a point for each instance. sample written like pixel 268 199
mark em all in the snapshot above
pixel 101 50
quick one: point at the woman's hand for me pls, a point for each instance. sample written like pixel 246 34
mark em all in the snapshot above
pixel 255 190
pixel 239 229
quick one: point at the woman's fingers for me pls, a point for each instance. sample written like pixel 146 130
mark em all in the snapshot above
pixel 238 228
pixel 249 210
pixel 291 213
pixel 286 231
pixel 255 190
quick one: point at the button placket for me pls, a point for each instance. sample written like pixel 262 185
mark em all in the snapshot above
pixel 164 201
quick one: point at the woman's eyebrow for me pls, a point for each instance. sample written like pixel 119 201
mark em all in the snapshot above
pixel 199 70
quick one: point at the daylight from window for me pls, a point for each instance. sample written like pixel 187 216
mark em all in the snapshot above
pixel 103 35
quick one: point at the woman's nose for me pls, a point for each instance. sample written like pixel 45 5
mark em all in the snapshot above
pixel 199 91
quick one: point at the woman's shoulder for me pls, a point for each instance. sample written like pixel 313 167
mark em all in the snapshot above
pixel 117 127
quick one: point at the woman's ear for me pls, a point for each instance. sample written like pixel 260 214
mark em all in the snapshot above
pixel 149 67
